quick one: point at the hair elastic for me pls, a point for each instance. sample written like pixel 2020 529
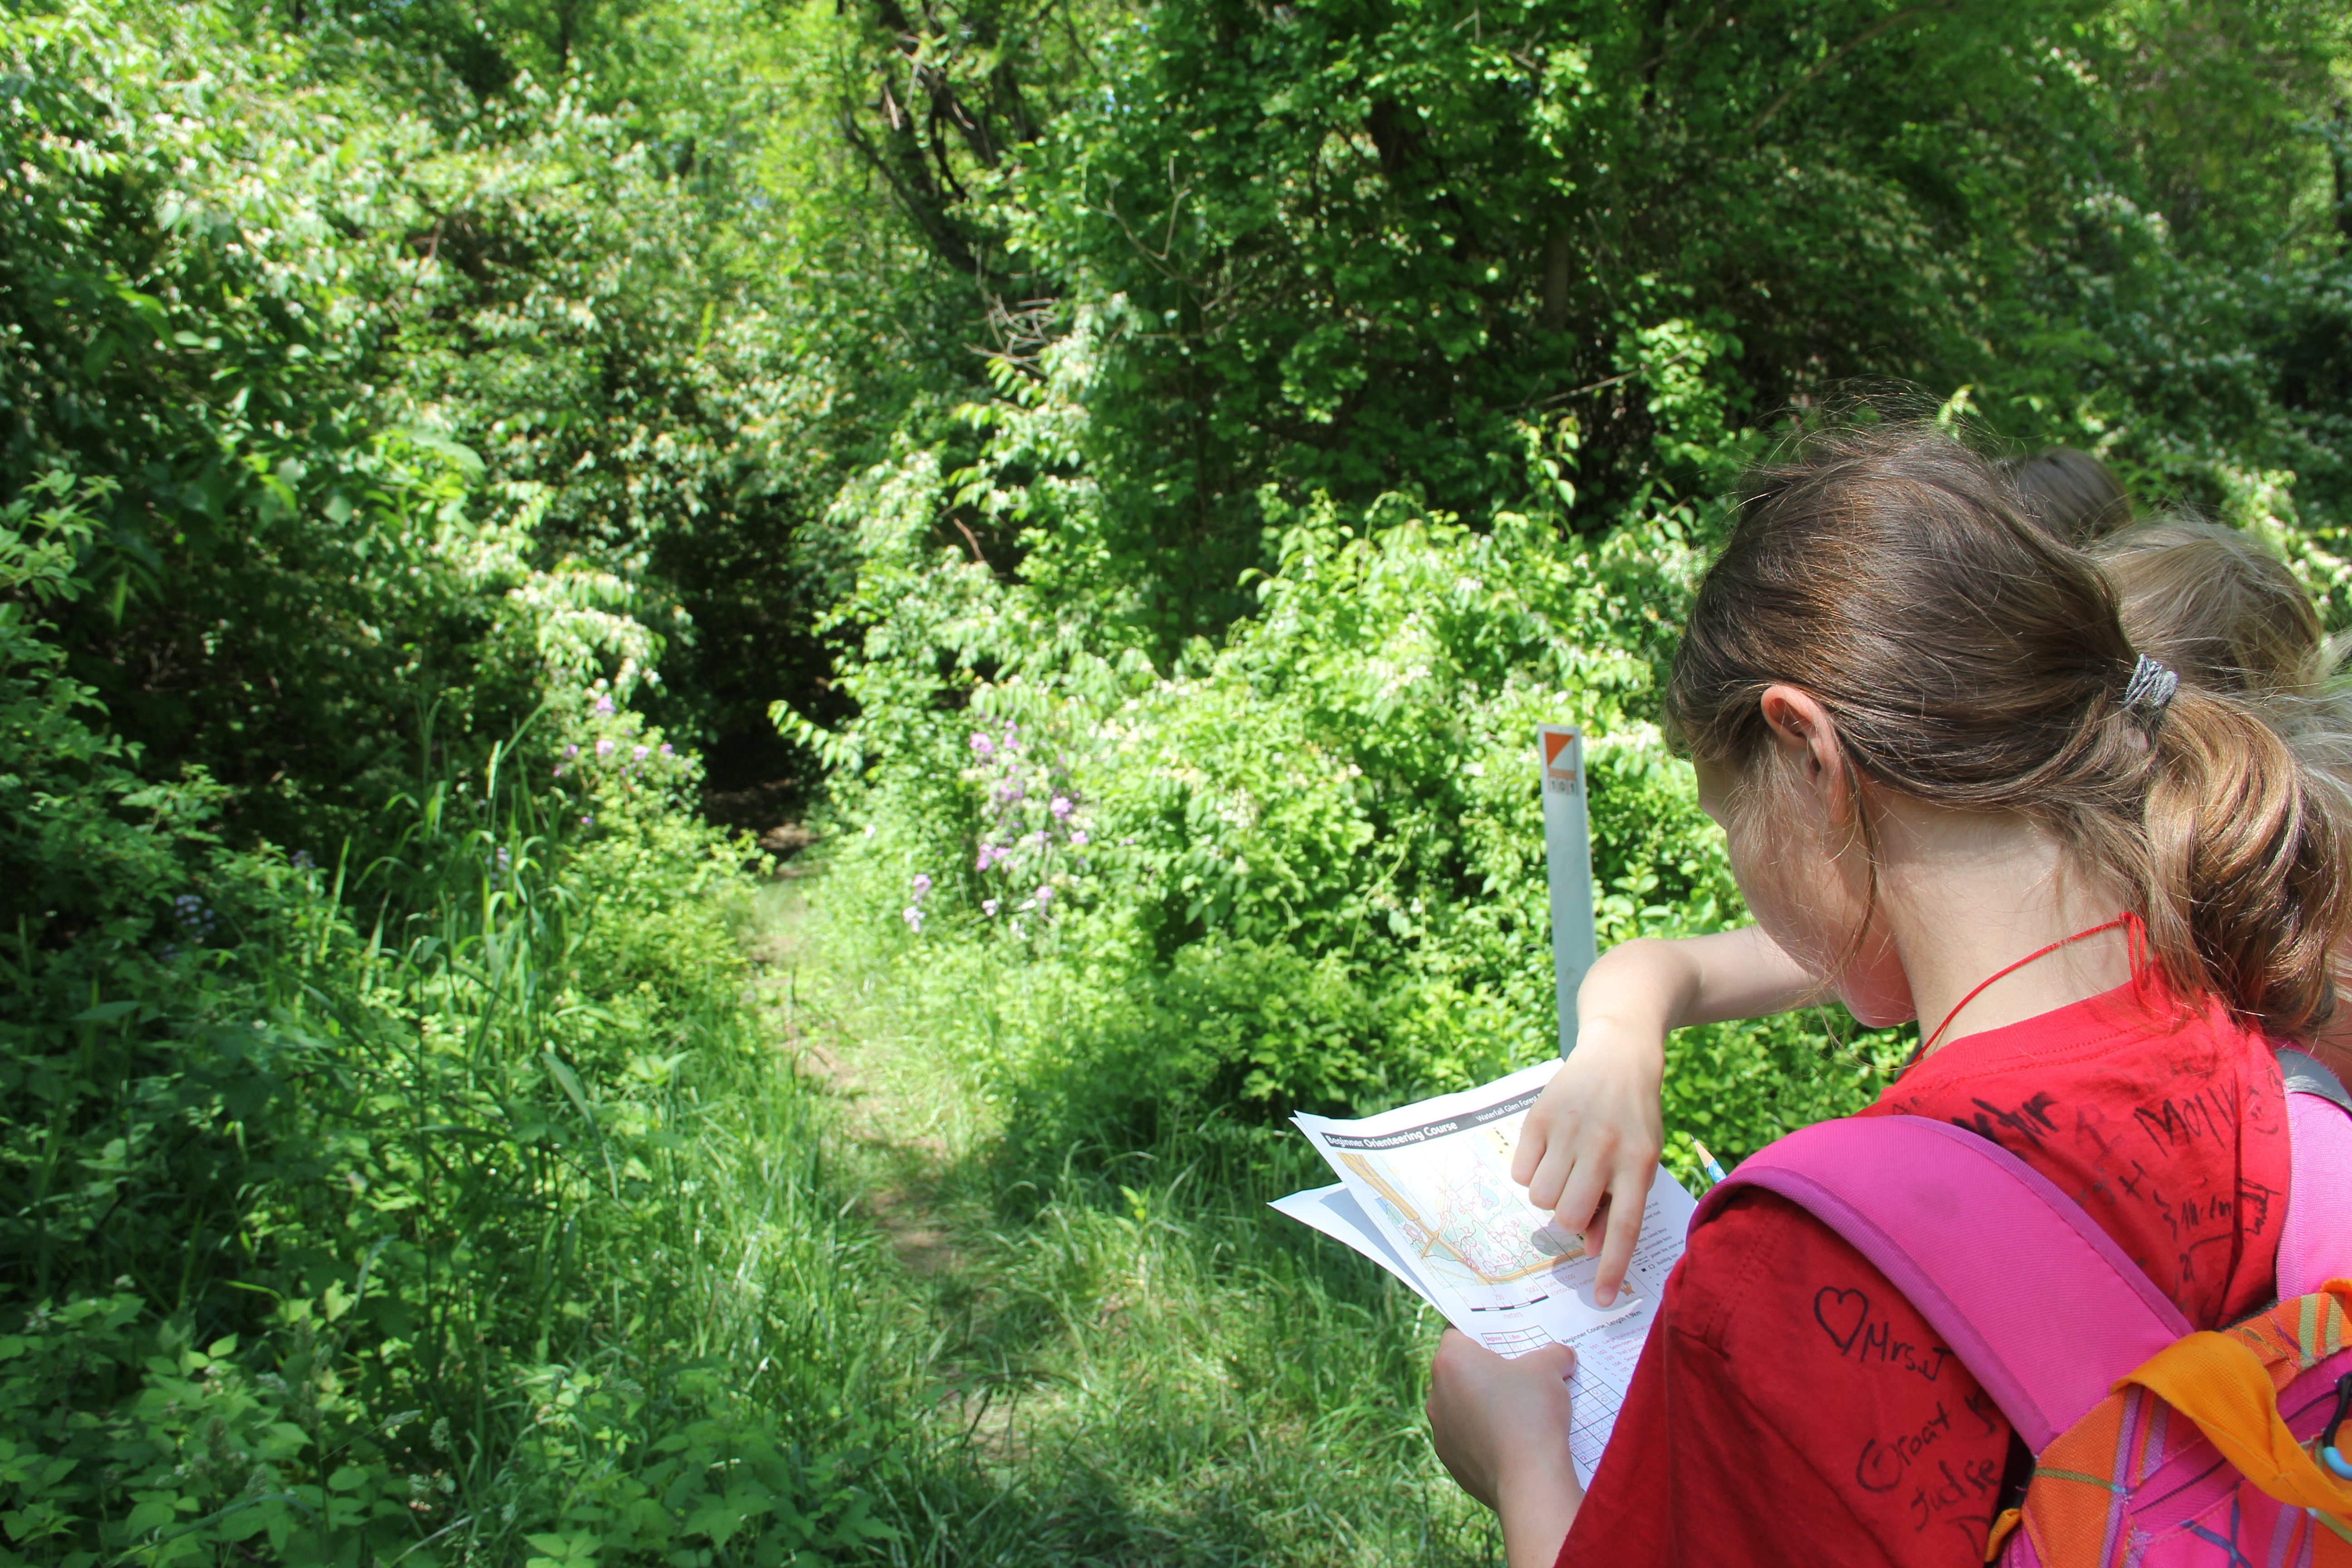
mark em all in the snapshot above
pixel 2150 690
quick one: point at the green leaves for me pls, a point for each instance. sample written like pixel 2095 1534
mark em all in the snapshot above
pixel 574 1549
pixel 473 1210
pixel 226 302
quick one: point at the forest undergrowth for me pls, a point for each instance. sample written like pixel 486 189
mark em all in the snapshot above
pixel 1121 1355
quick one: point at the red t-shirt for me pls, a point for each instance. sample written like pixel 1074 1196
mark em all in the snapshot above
pixel 1790 1406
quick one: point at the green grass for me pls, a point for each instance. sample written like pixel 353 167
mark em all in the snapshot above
pixel 1115 1353
pixel 587 1203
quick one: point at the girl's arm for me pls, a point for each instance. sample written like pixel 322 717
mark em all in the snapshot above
pixel 1593 1139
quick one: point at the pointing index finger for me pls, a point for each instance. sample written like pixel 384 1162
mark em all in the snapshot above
pixel 1623 1230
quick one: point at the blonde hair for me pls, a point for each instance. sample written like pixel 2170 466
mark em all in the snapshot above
pixel 2215 605
pixel 2211 602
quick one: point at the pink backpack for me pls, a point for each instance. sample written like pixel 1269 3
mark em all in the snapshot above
pixel 2153 1445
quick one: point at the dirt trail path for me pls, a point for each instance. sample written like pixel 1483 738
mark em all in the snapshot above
pixel 1120 1365
pixel 902 1118
pixel 908 1128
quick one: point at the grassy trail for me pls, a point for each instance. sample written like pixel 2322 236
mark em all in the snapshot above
pixel 1104 1354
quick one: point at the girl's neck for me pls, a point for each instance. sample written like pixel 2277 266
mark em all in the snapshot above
pixel 1966 894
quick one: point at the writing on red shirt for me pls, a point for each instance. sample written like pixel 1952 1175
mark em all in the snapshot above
pixel 1791 1405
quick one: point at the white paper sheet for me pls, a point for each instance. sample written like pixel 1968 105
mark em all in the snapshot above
pixel 1425 1192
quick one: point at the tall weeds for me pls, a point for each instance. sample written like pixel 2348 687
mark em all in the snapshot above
pixel 460 1205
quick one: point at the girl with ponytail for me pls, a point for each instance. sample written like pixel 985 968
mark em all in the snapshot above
pixel 1952 790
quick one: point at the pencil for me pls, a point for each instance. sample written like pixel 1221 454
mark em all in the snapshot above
pixel 1707 1162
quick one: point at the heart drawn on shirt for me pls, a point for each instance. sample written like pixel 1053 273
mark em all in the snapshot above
pixel 1841 1314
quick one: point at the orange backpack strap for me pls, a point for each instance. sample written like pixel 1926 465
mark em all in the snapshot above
pixel 2219 1382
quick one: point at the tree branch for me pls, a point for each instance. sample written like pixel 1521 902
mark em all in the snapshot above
pixel 1826 61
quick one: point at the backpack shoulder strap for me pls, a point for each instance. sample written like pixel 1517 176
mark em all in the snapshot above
pixel 2307 1074
pixel 2316 1238
pixel 2035 1299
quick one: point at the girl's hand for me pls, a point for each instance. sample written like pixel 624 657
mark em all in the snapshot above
pixel 1590 1143
pixel 1592 1137
pixel 1501 1427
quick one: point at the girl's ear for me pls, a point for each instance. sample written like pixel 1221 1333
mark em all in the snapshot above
pixel 1808 745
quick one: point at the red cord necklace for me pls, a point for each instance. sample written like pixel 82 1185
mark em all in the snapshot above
pixel 2126 920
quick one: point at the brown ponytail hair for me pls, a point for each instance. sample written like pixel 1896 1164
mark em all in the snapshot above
pixel 1971 661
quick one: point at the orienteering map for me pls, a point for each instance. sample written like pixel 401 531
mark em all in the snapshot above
pixel 1425 1191
pixel 1465 1221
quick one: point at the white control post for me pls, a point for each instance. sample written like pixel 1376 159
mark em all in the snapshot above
pixel 1568 856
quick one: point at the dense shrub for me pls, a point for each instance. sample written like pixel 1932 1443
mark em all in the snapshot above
pixel 406 400
pixel 1301 868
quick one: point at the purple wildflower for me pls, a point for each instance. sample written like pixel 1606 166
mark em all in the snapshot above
pixel 665 748
pixel 982 745
pixel 1062 807
pixel 913 919
pixel 988 907
pixel 922 885
pixel 604 704
pixel 603 748
pixel 1044 897
pixel 1078 838
pixel 642 752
